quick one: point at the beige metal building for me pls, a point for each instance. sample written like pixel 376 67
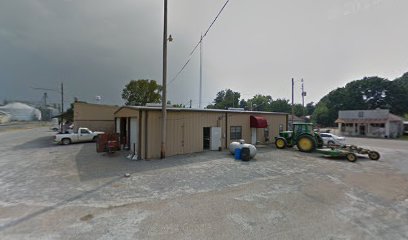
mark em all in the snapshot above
pixel 194 130
pixel 96 117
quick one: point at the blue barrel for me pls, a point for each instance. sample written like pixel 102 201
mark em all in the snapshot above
pixel 237 153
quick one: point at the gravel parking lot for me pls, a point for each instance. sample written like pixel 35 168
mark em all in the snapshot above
pixel 70 192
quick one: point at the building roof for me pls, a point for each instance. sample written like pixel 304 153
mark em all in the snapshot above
pixel 173 109
pixel 295 118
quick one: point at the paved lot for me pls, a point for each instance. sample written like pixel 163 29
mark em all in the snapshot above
pixel 71 192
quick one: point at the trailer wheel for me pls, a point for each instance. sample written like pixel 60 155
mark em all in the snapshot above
pixel 351 157
pixel 373 155
pixel 66 141
pixel 280 143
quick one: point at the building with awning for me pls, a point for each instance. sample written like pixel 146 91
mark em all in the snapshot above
pixel 193 130
pixel 370 123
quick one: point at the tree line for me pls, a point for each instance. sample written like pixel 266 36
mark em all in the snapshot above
pixel 229 99
pixel 365 94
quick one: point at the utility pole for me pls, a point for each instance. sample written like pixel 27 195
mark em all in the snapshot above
pixel 62 104
pixel 164 93
pixel 191 102
pixel 45 100
pixel 303 97
pixel 201 71
pixel 61 91
pixel 293 109
pixel 62 97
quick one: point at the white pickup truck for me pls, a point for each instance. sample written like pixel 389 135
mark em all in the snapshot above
pixel 83 135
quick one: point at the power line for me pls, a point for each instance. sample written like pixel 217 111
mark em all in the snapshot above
pixel 198 44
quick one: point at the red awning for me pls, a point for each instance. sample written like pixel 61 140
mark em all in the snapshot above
pixel 258 122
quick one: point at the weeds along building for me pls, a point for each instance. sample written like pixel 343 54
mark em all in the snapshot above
pixel 193 130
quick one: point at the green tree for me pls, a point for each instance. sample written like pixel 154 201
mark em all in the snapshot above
pixel 179 105
pixel 281 105
pixel 243 104
pixel 140 92
pixel 299 110
pixel 321 115
pixel 368 93
pixel 402 81
pixel 260 103
pixel 310 107
pixel 225 99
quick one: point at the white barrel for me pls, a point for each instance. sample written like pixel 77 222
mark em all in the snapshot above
pixel 241 144
pixel 252 149
pixel 233 146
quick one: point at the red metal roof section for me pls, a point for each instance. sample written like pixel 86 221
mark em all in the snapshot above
pixel 258 122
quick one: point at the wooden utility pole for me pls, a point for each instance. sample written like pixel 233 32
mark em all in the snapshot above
pixel 164 93
pixel 201 71
pixel 303 98
pixel 293 109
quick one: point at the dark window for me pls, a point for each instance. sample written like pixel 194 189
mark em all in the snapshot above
pixel 84 131
pixel 361 114
pixel 379 125
pixel 236 132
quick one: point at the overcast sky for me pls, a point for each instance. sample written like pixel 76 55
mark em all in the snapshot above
pixel 96 46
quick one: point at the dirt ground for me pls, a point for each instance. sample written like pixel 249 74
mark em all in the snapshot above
pixel 70 192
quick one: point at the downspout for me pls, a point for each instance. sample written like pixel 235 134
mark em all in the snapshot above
pixel 139 141
pixel 116 130
pixel 128 134
pixel 226 129
pixel 145 133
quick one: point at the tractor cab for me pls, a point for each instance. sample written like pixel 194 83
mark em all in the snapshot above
pixel 303 136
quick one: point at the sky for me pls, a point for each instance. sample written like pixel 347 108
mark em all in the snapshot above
pixel 95 47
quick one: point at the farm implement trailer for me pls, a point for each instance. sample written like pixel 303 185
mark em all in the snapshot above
pixel 349 151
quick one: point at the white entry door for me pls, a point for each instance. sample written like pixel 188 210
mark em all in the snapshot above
pixel 215 138
pixel 134 131
pixel 253 136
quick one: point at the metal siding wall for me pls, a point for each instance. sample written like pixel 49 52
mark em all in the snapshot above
pixel 107 126
pixel 191 124
pixel 154 131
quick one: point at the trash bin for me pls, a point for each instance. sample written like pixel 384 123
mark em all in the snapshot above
pixel 237 153
pixel 245 154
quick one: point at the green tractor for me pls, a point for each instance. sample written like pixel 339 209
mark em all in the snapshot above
pixel 302 136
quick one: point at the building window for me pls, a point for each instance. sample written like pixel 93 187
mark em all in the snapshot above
pixel 378 125
pixel 236 132
pixel 361 114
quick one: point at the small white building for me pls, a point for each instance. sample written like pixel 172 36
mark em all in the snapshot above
pixel 370 123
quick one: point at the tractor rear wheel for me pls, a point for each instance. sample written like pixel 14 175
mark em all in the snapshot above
pixel 306 144
pixel 280 143
pixel 373 155
pixel 351 157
